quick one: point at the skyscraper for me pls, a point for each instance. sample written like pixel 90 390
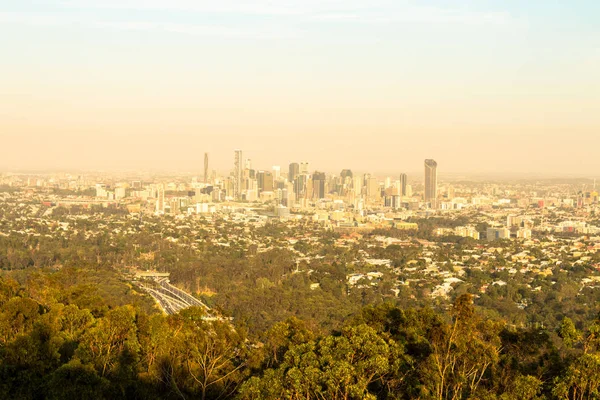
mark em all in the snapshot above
pixel 160 199
pixel 372 185
pixel 276 172
pixel 403 179
pixel 294 170
pixel 345 181
pixel 265 181
pixel 237 175
pixel 205 167
pixel 431 182
pixel 304 167
pixel 346 173
pixel 300 185
pixel 318 180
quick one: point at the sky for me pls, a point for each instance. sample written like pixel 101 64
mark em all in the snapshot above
pixel 482 86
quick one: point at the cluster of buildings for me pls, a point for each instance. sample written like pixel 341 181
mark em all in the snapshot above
pixel 299 187
pixel 345 202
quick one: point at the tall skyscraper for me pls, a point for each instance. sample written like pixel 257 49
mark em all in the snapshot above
pixel 300 185
pixel 237 175
pixel 304 167
pixel 160 199
pixel 403 180
pixel 345 182
pixel 265 181
pixel 318 180
pixel 373 189
pixel 346 173
pixel 205 168
pixel 431 182
pixel 276 172
pixel 294 170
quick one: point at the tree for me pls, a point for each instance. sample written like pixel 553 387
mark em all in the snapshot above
pixel 352 365
pixel 568 332
pixel 461 353
pixel 207 356
pixel 113 337
pixel 581 380
pixel 76 381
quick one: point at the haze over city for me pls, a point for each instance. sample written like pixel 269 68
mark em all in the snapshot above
pixel 483 87
pixel 299 199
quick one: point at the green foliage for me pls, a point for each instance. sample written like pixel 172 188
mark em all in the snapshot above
pixel 72 327
pixel 568 332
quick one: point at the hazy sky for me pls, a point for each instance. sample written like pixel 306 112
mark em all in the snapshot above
pixel 478 85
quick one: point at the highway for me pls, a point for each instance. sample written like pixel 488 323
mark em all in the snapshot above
pixel 172 299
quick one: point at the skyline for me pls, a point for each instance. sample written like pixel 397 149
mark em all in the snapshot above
pixel 486 88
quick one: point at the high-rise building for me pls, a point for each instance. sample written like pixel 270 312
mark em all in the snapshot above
pixel 403 181
pixel 345 182
pixel 276 172
pixel 300 186
pixel 304 167
pixel 160 199
pixel 318 180
pixel 431 182
pixel 205 168
pixel 265 181
pixel 373 189
pixel 294 170
pixel 237 175
pixel 357 185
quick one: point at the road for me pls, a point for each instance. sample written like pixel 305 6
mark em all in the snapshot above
pixel 172 299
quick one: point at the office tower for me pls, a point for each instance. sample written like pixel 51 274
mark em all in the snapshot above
pixel 300 186
pixel 205 168
pixel 175 206
pixel 403 182
pixel 304 168
pixel 160 199
pixel 294 170
pixel 265 181
pixel 346 180
pixel 357 185
pixel 388 182
pixel 318 183
pixel 260 180
pixel 289 191
pixel 276 172
pixel 373 190
pixel 431 182
pixel 237 175
pixel 248 163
